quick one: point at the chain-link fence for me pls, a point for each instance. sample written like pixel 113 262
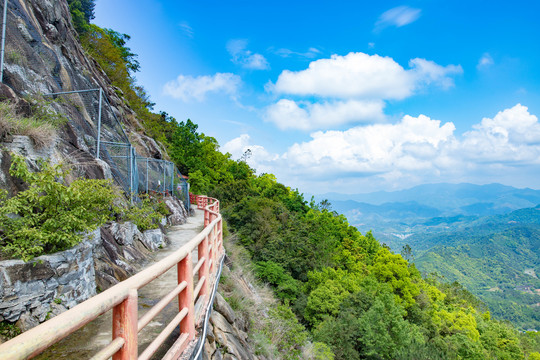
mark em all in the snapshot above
pixel 100 133
pixel 161 176
pixel 98 130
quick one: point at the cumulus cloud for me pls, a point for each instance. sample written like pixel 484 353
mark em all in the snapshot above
pixel 411 144
pixel 187 87
pixel 361 75
pixel 512 136
pixel 485 61
pixel 288 114
pixel 237 48
pixel 398 17
pixel 415 150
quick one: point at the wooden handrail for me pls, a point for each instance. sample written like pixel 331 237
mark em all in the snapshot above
pixel 122 299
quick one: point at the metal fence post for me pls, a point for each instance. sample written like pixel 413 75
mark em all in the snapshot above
pixel 164 179
pixel 4 22
pixel 131 172
pixel 99 123
pixel 147 175
pixel 172 178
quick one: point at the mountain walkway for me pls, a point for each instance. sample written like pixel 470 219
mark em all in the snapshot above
pixel 146 321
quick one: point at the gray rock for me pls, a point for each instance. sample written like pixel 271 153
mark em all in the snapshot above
pixel 57 309
pixel 26 322
pixel 223 307
pixel 24 32
pixel 217 355
pixel 153 239
pixel 178 214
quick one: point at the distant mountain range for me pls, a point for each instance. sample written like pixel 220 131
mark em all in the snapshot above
pixel 429 207
pixel 487 237
pixel 449 199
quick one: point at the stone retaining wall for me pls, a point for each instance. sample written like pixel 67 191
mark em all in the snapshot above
pixel 65 279
pixel 34 291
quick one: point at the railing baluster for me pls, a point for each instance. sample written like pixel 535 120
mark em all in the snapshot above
pixel 125 326
pixel 202 251
pixel 185 298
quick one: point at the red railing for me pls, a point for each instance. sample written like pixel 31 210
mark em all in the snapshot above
pixel 122 299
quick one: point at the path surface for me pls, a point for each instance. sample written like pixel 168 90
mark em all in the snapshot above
pixel 85 342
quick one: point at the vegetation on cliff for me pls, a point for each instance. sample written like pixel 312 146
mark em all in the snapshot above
pixel 54 212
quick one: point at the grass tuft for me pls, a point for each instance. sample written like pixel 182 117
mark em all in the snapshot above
pixel 41 127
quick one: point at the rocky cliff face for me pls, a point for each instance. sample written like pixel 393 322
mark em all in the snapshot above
pixel 43 56
pixel 227 336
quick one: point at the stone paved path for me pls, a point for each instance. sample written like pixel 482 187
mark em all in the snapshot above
pixel 84 343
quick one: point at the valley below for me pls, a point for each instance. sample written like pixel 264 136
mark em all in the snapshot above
pixel 486 237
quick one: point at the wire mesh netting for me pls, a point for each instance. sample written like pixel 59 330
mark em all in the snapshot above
pixel 161 176
pixel 100 131
pixel 103 136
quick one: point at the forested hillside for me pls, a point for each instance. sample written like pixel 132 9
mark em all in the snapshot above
pixel 496 258
pixel 353 296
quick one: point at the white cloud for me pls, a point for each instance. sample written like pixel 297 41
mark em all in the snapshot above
pixel 246 58
pixel 512 136
pixel 187 87
pixel 505 148
pixel 288 114
pixel 427 72
pixel 361 75
pixel 398 17
pixel 188 30
pixel 310 53
pixel 411 144
pixel 260 159
pixel 485 61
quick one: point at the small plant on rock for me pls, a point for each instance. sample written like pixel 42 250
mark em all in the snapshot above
pixel 147 213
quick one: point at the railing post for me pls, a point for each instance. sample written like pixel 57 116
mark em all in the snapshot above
pixel 215 251
pixel 202 250
pixel 185 298
pixel 220 237
pixel 125 326
pixel 206 217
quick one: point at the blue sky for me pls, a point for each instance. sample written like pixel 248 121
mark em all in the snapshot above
pixel 349 96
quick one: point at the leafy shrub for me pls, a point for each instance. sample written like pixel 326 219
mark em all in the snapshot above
pixel 286 287
pixel 50 216
pixel 147 213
